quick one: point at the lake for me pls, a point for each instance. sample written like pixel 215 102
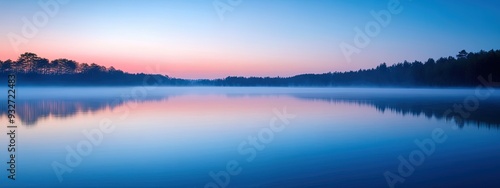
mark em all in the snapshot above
pixel 254 137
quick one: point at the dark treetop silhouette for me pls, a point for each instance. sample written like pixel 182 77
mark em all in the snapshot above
pixel 463 70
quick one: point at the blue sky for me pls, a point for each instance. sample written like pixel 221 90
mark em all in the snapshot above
pixel 187 38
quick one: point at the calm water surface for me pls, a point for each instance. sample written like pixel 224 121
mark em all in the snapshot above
pixel 175 137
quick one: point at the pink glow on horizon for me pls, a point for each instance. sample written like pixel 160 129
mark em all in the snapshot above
pixel 190 68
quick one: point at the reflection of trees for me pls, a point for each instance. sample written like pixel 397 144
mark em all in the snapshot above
pixel 431 107
pixel 29 112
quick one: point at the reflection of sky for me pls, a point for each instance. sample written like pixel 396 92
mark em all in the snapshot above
pixel 260 38
pixel 180 140
pixel 53 102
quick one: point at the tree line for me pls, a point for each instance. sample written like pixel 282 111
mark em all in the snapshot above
pixel 33 70
pixel 462 70
pixel 31 63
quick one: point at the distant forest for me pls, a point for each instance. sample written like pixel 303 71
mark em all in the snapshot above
pixel 460 71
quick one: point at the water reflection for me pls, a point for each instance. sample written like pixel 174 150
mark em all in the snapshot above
pixel 38 103
pixel 431 103
pixel 30 111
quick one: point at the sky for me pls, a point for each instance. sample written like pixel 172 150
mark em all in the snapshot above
pixel 216 39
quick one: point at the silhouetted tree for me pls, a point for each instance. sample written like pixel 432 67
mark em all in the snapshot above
pixel 7 66
pixel 26 62
pixel 84 67
pixel 462 54
pixel 63 66
pixel 41 66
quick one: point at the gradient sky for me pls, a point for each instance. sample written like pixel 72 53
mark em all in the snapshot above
pixel 186 38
